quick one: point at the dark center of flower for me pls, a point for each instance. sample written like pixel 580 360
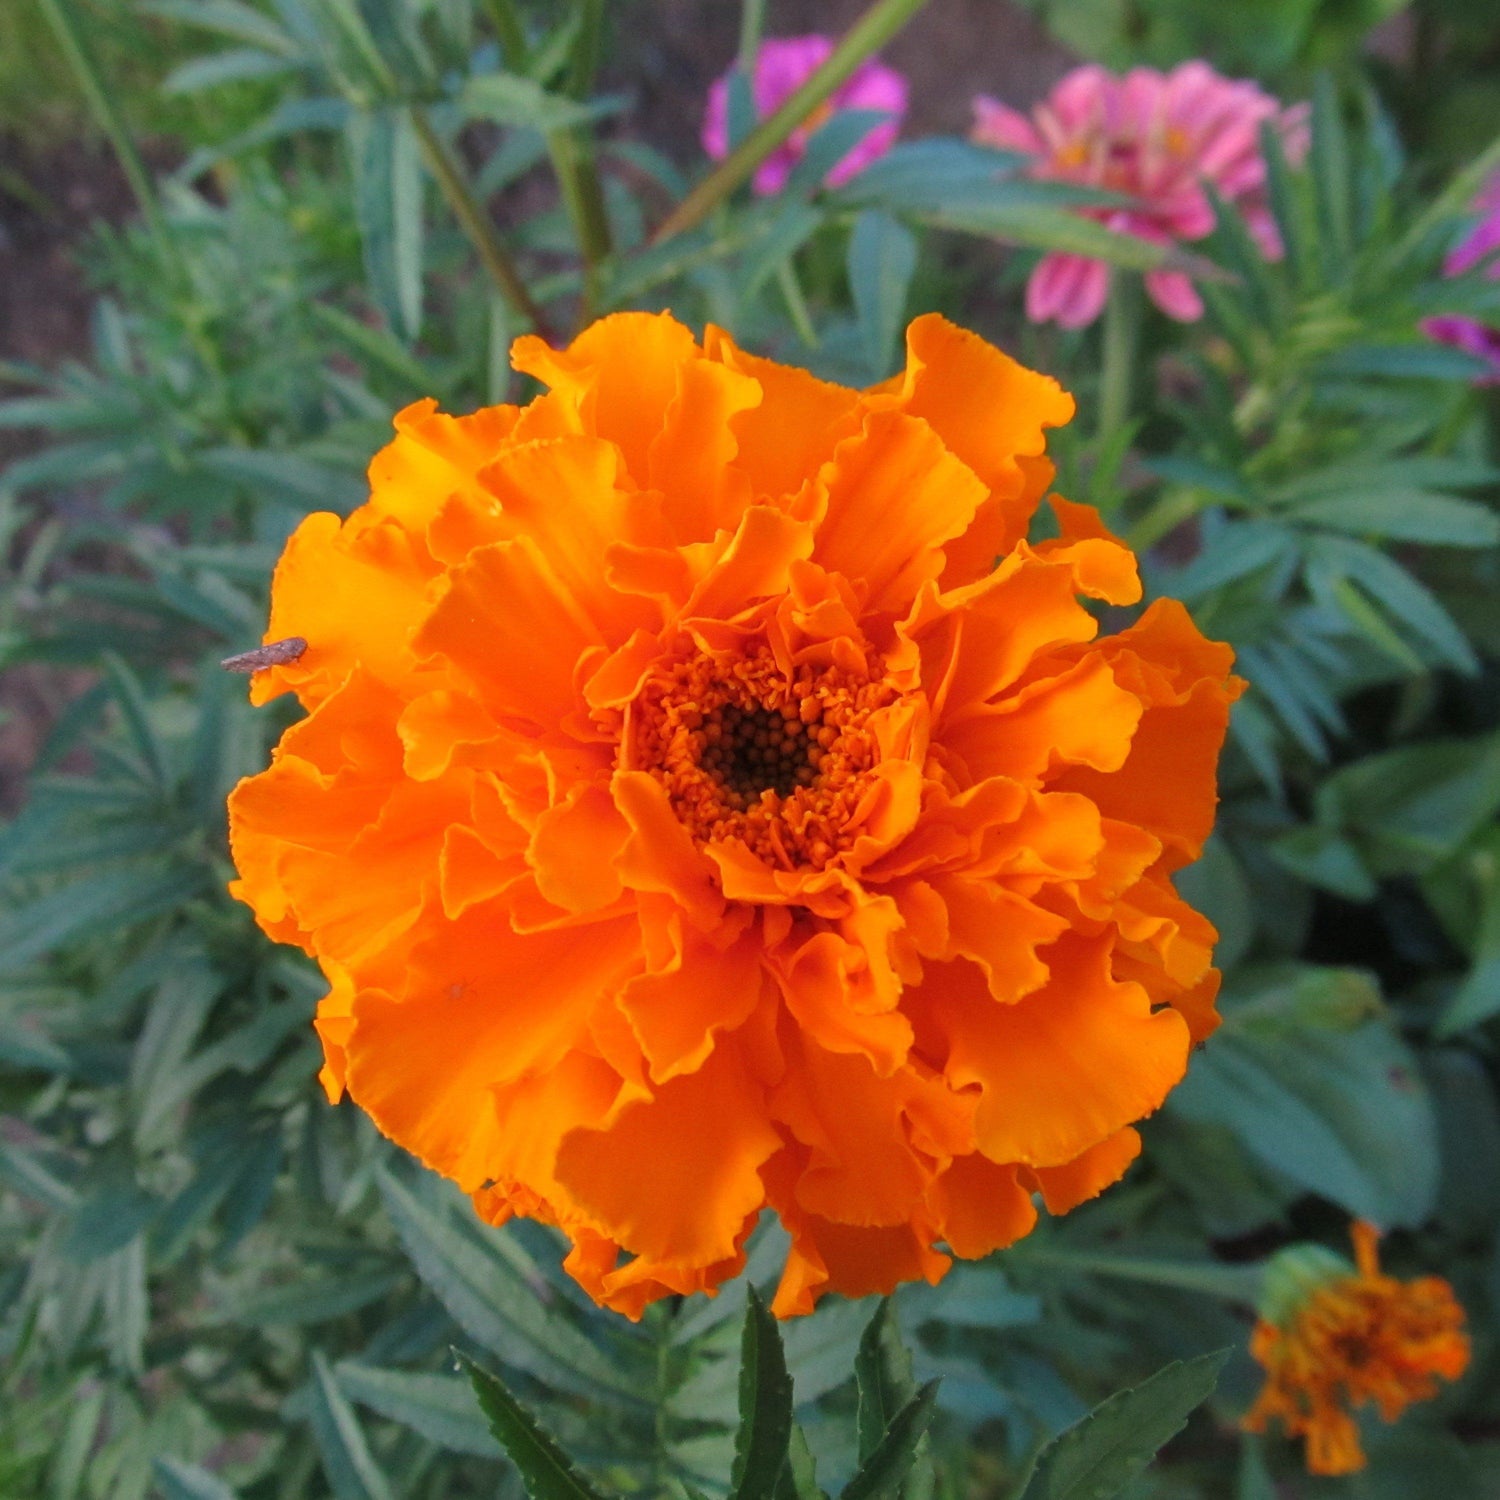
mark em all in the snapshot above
pixel 750 751
pixel 747 751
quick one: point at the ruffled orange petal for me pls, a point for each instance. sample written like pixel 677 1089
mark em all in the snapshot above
pixel 485 1007
pixel 796 426
pixel 1063 1188
pixel 894 495
pixel 509 624
pixel 981 1207
pixel 620 375
pixel 1064 1068
pixel 695 1146
pixel 990 411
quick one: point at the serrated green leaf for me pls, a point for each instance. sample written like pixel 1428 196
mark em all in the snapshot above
pixel 799 1479
pixel 882 1375
pixel 765 1430
pixel 547 1472
pixel 1096 1458
pixel 496 1307
pixel 882 1474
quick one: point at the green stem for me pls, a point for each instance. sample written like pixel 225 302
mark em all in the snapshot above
pixel 752 23
pixel 81 59
pixel 1117 372
pixel 476 224
pixel 573 161
pixel 506 20
pixel 868 34
pixel 1165 515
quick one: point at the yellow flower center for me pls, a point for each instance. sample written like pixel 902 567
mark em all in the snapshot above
pixel 747 751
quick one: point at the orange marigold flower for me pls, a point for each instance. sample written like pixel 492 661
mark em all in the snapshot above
pixel 691 815
pixel 1335 1336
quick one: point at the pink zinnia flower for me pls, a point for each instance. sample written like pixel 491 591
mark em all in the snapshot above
pixel 782 65
pixel 1157 137
pixel 1480 244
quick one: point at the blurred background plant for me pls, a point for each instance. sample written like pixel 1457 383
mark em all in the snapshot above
pixel 215 1285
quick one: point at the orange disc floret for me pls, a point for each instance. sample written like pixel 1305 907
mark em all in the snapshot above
pixel 709 800
pixel 1333 1337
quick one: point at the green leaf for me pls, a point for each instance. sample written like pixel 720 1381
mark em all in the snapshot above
pixel 388 205
pixel 1312 1076
pixel 232 18
pixel 1406 516
pixel 882 1374
pixel 440 1407
pixel 347 1461
pixel 765 1430
pixel 224 67
pixel 497 1306
pixel 312 1299
pixel 89 908
pixel 547 1472
pixel 1097 1457
pixel 1410 808
pixel 185 1481
pixel 884 1380
pixel 1329 160
pixel 882 260
pixel 799 1479
pixel 1477 999
pixel 126 689
pixel 508 99
pixel 882 1474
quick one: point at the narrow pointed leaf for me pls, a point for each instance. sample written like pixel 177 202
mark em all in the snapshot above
pixel 760 1449
pixel 547 1472
pixel 882 1474
pixel 1096 1458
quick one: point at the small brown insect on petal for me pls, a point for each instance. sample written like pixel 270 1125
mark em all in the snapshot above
pixel 273 654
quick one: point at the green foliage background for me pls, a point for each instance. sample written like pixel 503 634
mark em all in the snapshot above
pixel 212 1284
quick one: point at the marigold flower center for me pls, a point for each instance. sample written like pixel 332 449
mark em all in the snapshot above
pixel 748 751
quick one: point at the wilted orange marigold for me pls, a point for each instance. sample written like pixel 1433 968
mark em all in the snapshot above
pixel 1335 1336
pixel 692 815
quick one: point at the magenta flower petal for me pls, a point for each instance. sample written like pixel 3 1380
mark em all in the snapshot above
pixel 1480 244
pixel 1175 294
pixel 782 65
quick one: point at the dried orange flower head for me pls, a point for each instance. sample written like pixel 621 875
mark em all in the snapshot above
pixel 1334 1336
pixel 691 815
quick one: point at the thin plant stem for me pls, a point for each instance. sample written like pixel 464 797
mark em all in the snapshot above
pixel 796 303
pixel 868 34
pixel 476 224
pixel 752 23
pixel 1163 517
pixel 572 152
pixel 1117 374
pixel 65 23
pixel 506 20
